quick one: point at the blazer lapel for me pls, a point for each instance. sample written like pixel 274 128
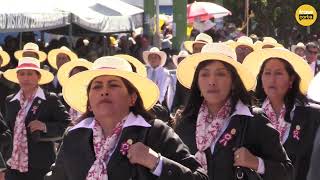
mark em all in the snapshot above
pixel 118 163
pixel 34 110
pixel 229 137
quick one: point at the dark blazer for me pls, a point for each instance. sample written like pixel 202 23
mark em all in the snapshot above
pixel 5 136
pixel 77 155
pixel 53 114
pixel 314 172
pixel 260 139
pixel 299 149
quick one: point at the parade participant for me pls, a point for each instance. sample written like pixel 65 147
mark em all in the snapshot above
pixel 117 138
pixel 195 46
pixel 243 46
pixel 5 139
pixel 31 50
pixel 314 172
pixel 177 94
pixel 56 58
pixel 155 60
pixel 282 82
pixel 217 123
pixel 299 49
pixel 36 118
pixel 4 58
pixel 64 73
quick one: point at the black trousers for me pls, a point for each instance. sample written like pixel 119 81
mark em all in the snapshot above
pixel 32 174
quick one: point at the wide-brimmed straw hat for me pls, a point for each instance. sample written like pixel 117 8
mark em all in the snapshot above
pixel 255 60
pixel 5 57
pixel 202 38
pixel 52 55
pixel 140 68
pixel 32 64
pixel 30 47
pixel 299 45
pixel 244 41
pixel 212 51
pixel 270 41
pixel 182 54
pixel 75 90
pixel 64 72
pixel 157 51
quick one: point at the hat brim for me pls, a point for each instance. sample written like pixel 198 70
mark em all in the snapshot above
pixel 175 59
pixel 236 44
pixel 64 71
pixel 187 67
pixel 42 55
pixel 77 87
pixel 11 75
pixel 188 45
pixel 163 57
pixel 140 68
pixel 5 58
pixel 255 60
pixel 52 56
pixel 294 47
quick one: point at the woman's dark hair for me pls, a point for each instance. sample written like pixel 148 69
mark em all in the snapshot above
pixel 238 90
pixel 292 96
pixel 137 109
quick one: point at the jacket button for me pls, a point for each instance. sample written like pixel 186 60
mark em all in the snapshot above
pixel 169 172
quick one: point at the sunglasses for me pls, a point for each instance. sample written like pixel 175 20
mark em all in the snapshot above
pixel 312 52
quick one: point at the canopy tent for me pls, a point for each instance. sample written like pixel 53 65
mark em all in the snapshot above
pixel 21 16
pixel 95 16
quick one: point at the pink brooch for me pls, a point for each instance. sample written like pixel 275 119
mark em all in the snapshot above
pixel 227 137
pixel 34 109
pixel 125 146
pixel 296 133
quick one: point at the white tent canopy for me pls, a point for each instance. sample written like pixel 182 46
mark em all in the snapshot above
pixel 20 16
pixel 99 16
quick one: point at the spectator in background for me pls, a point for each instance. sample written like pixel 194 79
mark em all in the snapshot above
pixel 299 49
pixel 312 50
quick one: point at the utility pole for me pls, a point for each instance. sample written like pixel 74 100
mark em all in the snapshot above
pixel 148 18
pixel 179 22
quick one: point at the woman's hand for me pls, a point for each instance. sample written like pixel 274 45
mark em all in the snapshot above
pixel 143 155
pixel 37 125
pixel 243 158
pixel 2 175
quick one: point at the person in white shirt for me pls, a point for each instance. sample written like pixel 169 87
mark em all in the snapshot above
pixel 155 60
pixel 312 49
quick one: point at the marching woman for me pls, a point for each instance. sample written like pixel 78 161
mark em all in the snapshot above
pixel 282 82
pixel 35 118
pixel 117 139
pixel 217 123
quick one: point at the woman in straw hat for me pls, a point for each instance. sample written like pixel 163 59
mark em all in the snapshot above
pixel 36 119
pixel 217 123
pixel 31 50
pixel 195 46
pixel 117 138
pixel 64 73
pixel 282 82
pixel 243 46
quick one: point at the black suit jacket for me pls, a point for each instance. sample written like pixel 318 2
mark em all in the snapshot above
pixel 53 114
pixel 260 139
pixel 299 149
pixel 77 155
pixel 5 136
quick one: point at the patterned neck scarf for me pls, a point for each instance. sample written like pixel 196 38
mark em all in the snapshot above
pixel 19 157
pixel 279 123
pixel 103 147
pixel 208 128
